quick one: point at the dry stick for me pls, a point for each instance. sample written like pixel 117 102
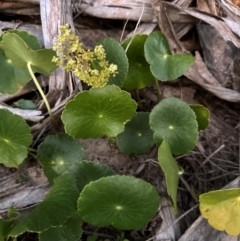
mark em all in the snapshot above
pixel 178 219
pixel 139 20
pixel 188 189
pixel 215 152
pixel 83 10
pixel 124 27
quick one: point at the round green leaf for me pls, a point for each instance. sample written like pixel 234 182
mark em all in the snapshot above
pixel 125 202
pixel 115 55
pixel 25 104
pixel 59 154
pixel 29 39
pixel 170 169
pixel 98 112
pixel 202 115
pixel 70 231
pixel 53 211
pixel 15 137
pixel 222 209
pixel 174 121
pixel 139 74
pixel 87 171
pixel 165 66
pixel 20 54
pixel 137 137
pixel 12 78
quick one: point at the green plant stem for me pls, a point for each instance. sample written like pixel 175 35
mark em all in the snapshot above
pixel 39 89
pixel 32 149
pixel 158 90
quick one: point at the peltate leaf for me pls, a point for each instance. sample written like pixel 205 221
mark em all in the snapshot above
pixel 174 121
pixel 125 202
pixel 12 78
pixel 59 154
pixel 5 227
pixel 137 137
pixel 170 169
pixel 165 66
pixel 56 208
pixel 15 137
pixel 87 171
pixel 29 39
pixel 222 210
pixel 115 54
pixel 21 54
pixel 98 112
pixel 139 74
pixel 70 231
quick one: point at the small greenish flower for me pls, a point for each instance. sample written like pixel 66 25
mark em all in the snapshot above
pixel 89 66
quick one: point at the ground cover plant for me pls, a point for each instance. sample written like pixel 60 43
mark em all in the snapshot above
pixel 83 191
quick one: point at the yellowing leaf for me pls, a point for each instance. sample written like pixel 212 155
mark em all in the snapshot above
pixel 222 209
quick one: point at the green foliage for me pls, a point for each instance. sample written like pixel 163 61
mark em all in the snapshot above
pixel 12 77
pixel 163 64
pixel 5 227
pixel 125 202
pixel 98 112
pixel 69 231
pixel 56 208
pixel 137 137
pixel 222 210
pixel 25 104
pixel 170 169
pixel 116 55
pixel 29 39
pixel 91 67
pixel 174 121
pixel 139 74
pixel 59 154
pixel 20 60
pixel 15 137
pixel 83 190
pixel 17 50
pixel 87 172
pixel 202 115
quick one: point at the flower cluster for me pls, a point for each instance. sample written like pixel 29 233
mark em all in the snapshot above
pixel 89 66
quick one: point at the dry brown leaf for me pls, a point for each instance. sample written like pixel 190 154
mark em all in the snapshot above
pixel 236 2
pixel 199 74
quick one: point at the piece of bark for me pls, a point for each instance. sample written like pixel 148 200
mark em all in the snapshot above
pixel 167 231
pixel 21 189
pixel 117 9
pixel 30 115
pixel 29 11
pixel 219 61
pixel 218 24
pixel 53 14
pixel 199 74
